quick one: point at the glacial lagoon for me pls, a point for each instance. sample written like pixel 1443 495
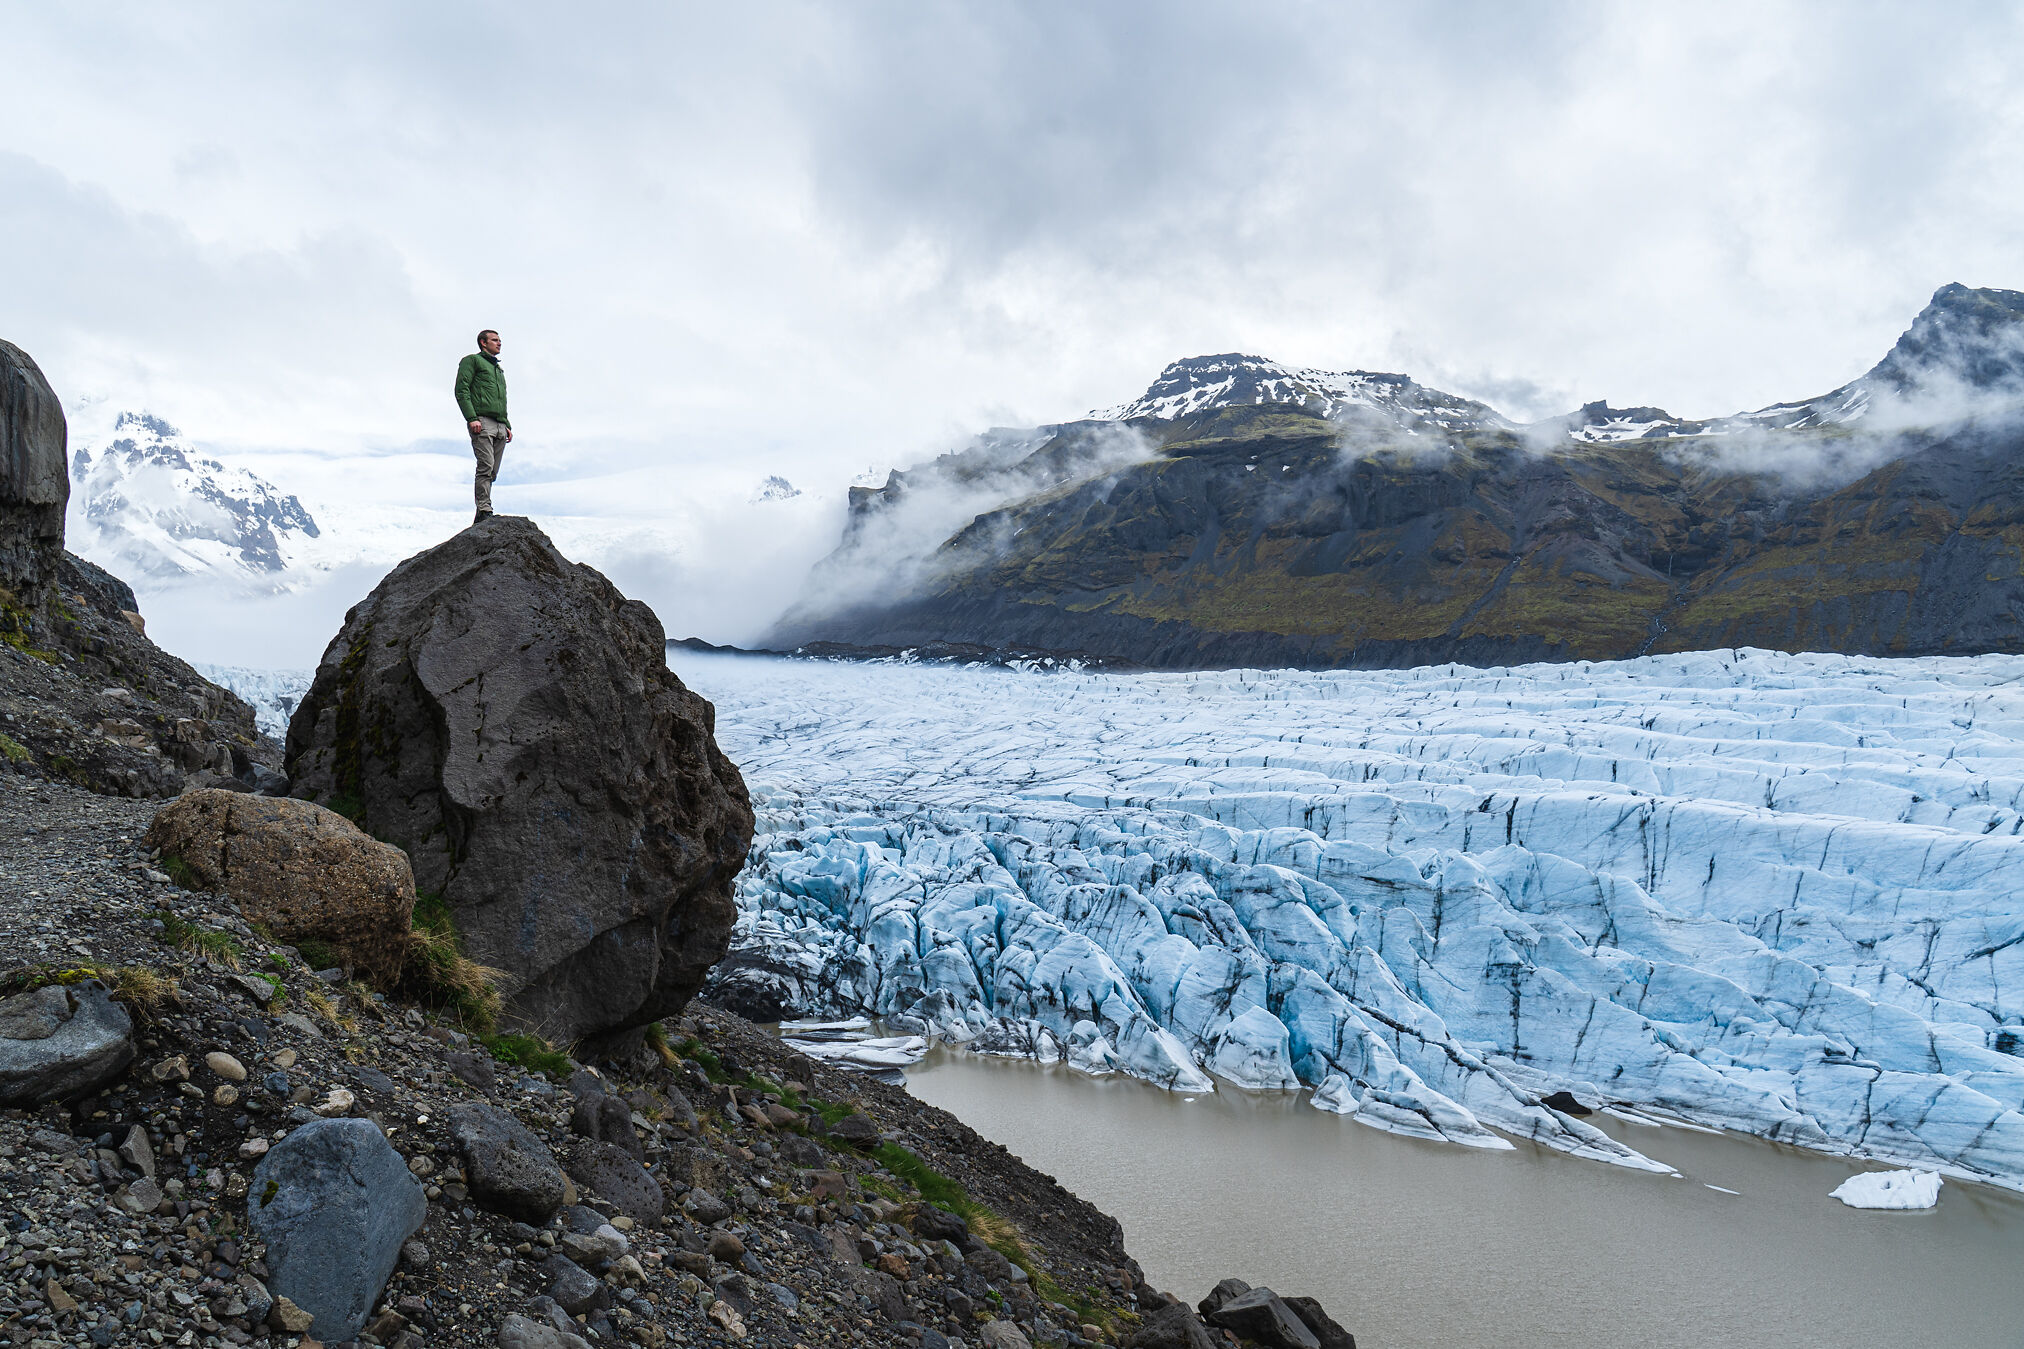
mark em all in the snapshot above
pixel 1418 1245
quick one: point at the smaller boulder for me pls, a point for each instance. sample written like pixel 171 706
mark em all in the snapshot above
pixel 1331 1335
pixel 1171 1327
pixel 857 1131
pixel 1262 1315
pixel 302 871
pixel 611 1172
pixel 608 1120
pixel 507 1166
pixel 937 1224
pixel 334 1202
pixel 1003 1335
pixel 57 1043
pixel 518 1332
pixel 574 1288
pixel 473 1070
pixel 1222 1293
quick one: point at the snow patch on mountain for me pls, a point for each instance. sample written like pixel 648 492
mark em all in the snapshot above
pixel 1768 893
pixel 1201 383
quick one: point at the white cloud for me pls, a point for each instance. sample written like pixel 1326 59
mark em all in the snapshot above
pixel 727 241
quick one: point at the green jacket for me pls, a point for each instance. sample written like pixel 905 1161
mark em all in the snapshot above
pixel 481 388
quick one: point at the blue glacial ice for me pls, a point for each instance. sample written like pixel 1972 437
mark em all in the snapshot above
pixel 1743 890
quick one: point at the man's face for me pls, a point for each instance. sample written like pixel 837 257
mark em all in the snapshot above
pixel 489 344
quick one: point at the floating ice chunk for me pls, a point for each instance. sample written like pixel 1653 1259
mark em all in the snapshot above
pixel 1890 1190
pixel 898 1051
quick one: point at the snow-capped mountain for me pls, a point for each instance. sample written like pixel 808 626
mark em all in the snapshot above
pixel 1200 383
pixel 147 504
pixel 774 488
pixel 1962 356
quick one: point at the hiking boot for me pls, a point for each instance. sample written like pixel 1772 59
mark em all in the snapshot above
pixel 481 517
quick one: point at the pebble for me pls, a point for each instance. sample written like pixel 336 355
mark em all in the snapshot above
pixel 338 1102
pixel 225 1066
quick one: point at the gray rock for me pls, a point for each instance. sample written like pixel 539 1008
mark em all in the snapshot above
pixel 135 1152
pixel 1262 1315
pixel 1171 1327
pixel 705 1207
pixel 57 1043
pixel 857 1130
pixel 258 1300
pixel 1003 1335
pixel 1331 1335
pixel 1222 1293
pixel 609 1171
pixel 474 1070
pixel 508 718
pixel 34 487
pixel 806 1153
pixel 517 1332
pixel 607 1119
pixel 334 1203
pixel 508 1168
pixel 574 1289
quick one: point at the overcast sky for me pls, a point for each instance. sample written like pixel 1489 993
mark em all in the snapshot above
pixel 727 240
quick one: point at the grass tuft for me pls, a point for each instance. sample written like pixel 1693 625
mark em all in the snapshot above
pixel 213 945
pixel 177 870
pixel 527 1051
pixel 13 751
pixel 140 989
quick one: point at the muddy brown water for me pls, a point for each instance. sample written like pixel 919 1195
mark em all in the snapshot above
pixel 1415 1245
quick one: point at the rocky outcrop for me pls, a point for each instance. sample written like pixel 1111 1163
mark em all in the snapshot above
pixel 34 487
pixel 303 872
pixel 56 1043
pixel 507 717
pixel 334 1202
pixel 85 697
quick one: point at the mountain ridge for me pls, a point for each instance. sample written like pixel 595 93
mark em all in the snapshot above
pixel 1365 520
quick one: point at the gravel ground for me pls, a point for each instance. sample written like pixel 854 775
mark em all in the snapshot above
pixel 124 1215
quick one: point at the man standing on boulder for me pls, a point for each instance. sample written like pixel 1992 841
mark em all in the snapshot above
pixel 481 397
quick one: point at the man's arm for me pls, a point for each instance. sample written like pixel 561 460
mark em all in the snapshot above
pixel 464 373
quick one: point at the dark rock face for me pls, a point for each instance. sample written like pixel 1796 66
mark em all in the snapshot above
pixel 509 1169
pixel 34 487
pixel 56 1043
pixel 508 718
pixel 334 1202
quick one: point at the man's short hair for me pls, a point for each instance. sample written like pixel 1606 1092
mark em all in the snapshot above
pixel 489 332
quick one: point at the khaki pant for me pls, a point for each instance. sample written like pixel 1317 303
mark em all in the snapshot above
pixel 488 444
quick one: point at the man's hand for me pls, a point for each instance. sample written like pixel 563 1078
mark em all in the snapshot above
pixel 476 427
pixel 509 435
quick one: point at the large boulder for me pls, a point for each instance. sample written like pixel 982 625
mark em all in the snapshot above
pixel 57 1042
pixel 34 488
pixel 334 1201
pixel 302 871
pixel 507 717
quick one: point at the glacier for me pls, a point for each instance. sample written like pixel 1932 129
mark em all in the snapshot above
pixel 1742 890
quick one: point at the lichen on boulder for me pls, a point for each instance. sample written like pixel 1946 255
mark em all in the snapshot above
pixel 507 718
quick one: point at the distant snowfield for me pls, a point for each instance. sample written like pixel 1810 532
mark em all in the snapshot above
pixel 1776 894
